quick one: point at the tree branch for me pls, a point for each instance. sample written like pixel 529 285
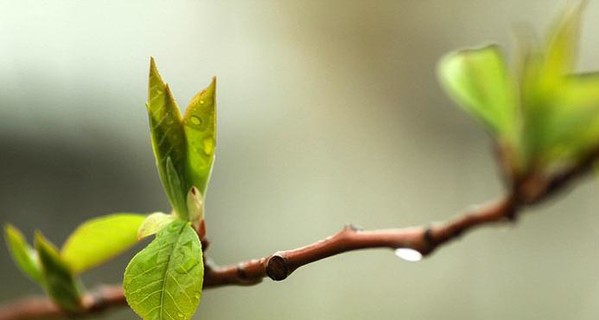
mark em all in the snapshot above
pixel 102 298
pixel 278 266
pixel 425 240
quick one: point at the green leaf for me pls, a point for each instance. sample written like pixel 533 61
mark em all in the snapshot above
pixel 184 147
pixel 176 189
pixel 100 239
pixel 154 223
pixel 164 280
pixel 559 108
pixel 200 129
pixel 549 116
pixel 58 280
pixel 22 253
pixel 168 140
pixel 478 80
pixel 573 127
pixel 561 50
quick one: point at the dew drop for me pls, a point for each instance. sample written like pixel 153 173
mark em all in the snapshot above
pixel 180 315
pixel 195 120
pixel 201 101
pixel 408 254
pixel 208 146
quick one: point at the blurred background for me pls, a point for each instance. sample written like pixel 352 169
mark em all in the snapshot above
pixel 329 113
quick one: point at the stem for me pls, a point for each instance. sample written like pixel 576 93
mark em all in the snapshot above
pixel 280 265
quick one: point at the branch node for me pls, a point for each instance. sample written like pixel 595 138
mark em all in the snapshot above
pixel 241 274
pixel 277 267
pixel 429 240
pixel 98 302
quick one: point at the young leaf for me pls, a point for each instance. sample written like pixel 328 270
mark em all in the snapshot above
pixel 164 280
pixel 154 223
pixel 57 277
pixel 559 108
pixel 200 130
pixel 168 140
pixel 100 239
pixel 479 81
pixel 561 50
pixel 177 187
pixel 551 120
pixel 22 253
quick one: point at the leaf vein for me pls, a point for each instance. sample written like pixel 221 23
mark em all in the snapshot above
pixel 180 287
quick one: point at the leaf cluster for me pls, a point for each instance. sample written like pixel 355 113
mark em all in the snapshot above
pixel 164 280
pixel 543 116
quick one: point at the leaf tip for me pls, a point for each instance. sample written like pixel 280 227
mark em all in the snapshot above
pixel 40 242
pixel 211 89
pixel 155 77
pixel 9 228
pixel 153 67
pixel 38 235
pixel 11 233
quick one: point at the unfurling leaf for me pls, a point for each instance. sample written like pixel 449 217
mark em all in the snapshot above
pixel 547 114
pixel 561 48
pixel 200 130
pixel 183 146
pixel 164 280
pixel 177 184
pixel 22 253
pixel 168 140
pixel 100 239
pixel 57 279
pixel 154 223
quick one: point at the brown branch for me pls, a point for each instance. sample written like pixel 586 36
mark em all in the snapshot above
pixel 103 298
pixel 280 265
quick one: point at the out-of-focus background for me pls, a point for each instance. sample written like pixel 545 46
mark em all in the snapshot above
pixel 329 113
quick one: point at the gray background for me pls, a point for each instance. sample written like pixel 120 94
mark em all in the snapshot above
pixel 329 113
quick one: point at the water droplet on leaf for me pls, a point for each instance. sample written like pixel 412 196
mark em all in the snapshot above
pixel 208 146
pixel 195 120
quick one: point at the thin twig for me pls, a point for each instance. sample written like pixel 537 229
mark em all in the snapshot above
pixel 280 265
pixel 99 300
